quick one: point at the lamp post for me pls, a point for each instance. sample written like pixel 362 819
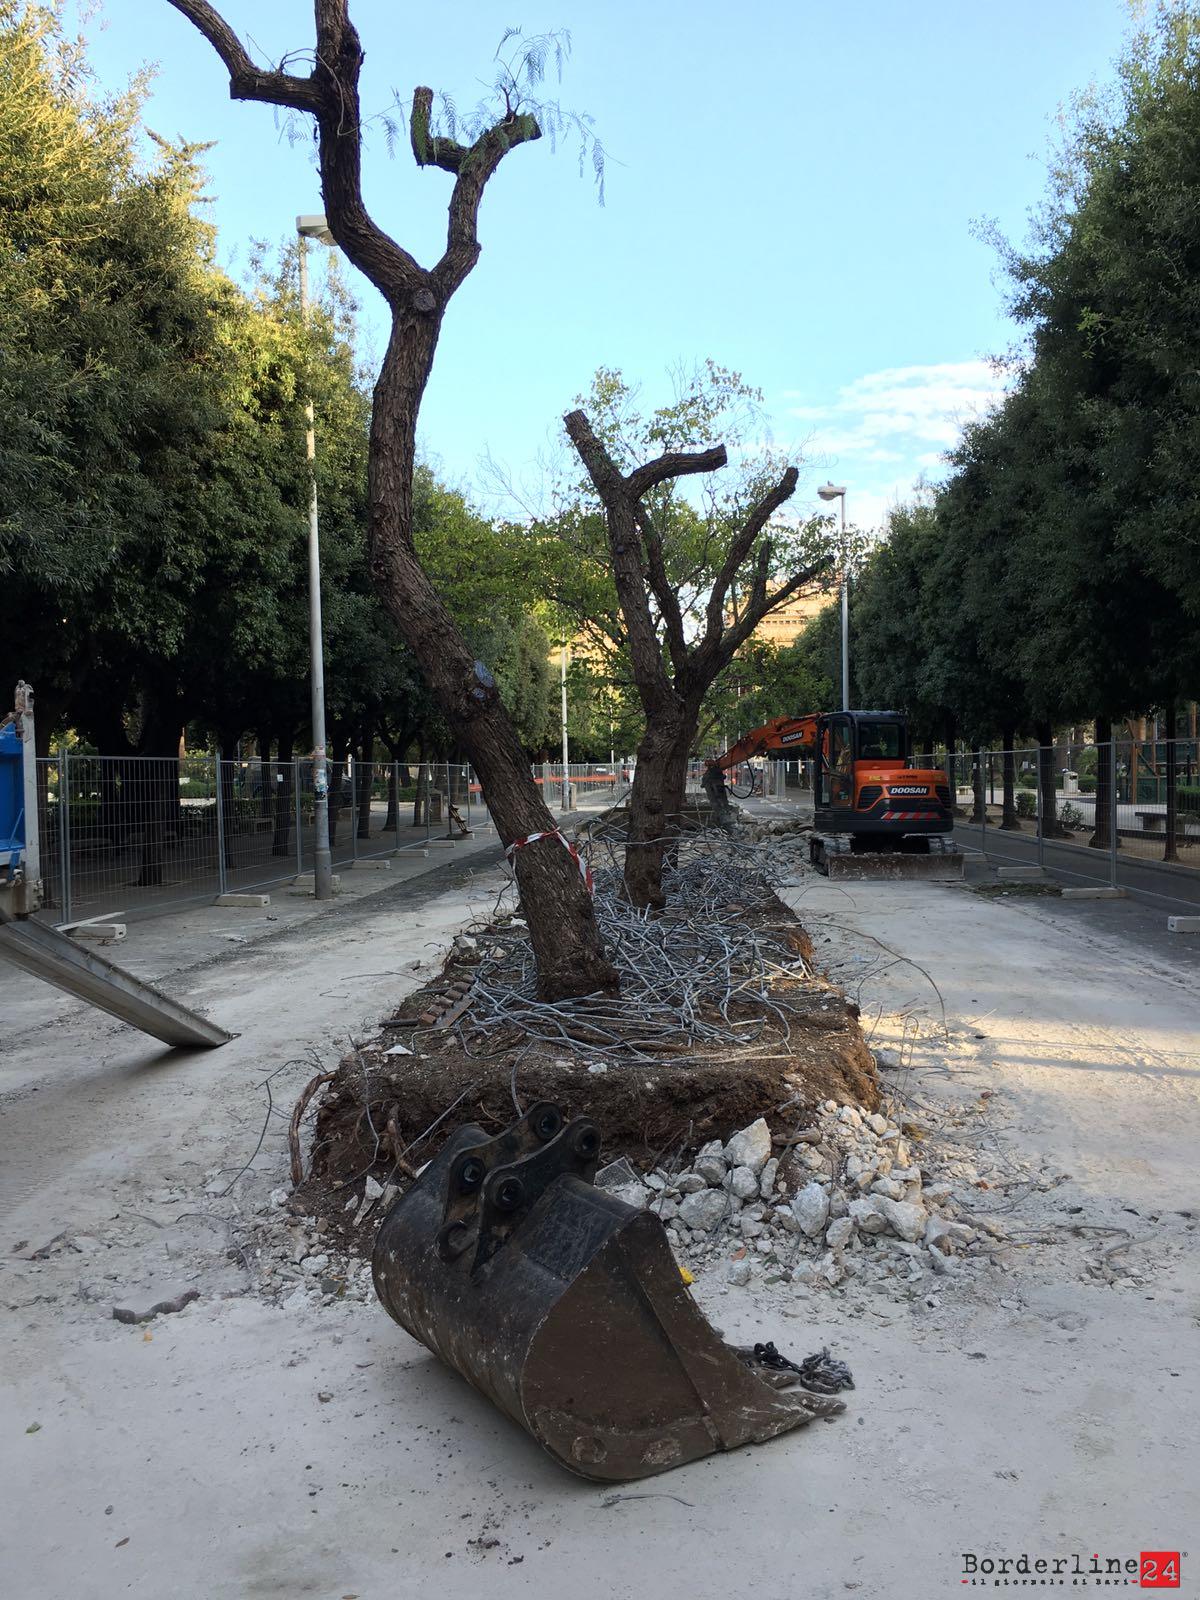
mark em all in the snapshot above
pixel 315 227
pixel 834 491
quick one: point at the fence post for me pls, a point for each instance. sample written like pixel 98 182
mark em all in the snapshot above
pixel 297 768
pixel 985 761
pixel 1113 830
pixel 220 827
pixel 1041 841
pixel 353 809
pixel 467 784
pixel 64 832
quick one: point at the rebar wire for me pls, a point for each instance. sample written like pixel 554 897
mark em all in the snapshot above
pixel 695 975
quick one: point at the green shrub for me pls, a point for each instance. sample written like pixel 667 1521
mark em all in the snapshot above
pixel 1087 783
pixel 1071 817
pixel 1027 804
pixel 1026 780
pixel 1187 798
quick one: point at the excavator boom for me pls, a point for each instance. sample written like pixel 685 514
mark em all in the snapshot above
pixel 798 735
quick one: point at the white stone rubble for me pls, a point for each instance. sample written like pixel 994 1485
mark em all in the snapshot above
pixel 849 1201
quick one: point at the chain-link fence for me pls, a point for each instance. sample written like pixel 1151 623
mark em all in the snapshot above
pixel 1134 804
pixel 121 835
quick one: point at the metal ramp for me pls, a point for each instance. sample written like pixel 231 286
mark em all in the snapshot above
pixel 52 956
pixel 47 952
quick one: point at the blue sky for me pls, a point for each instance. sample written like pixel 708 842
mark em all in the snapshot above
pixel 790 190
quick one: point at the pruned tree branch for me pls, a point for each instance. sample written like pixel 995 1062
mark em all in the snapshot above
pixel 602 469
pixel 674 464
pixel 740 549
pixel 429 151
pixel 475 167
pixel 762 604
pixel 664 593
pixel 246 81
pixel 626 550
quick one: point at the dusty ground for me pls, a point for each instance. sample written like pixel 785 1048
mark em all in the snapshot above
pixel 252 1449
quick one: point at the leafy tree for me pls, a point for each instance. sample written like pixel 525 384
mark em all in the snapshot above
pixel 104 325
pixel 766 680
pixel 691 583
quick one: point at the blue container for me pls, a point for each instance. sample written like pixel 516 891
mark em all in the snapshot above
pixel 12 797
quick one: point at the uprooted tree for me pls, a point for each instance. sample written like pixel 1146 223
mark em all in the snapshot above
pixel 566 940
pixel 739 582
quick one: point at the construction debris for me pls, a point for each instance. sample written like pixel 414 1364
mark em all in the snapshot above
pixel 160 1309
pixel 851 1203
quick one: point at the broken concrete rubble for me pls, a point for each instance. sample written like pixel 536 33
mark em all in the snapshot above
pixel 750 1148
pixel 853 1195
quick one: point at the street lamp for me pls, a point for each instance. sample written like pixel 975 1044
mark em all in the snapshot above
pixel 315 227
pixel 834 491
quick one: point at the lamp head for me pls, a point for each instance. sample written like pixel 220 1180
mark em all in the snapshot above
pixel 831 491
pixel 315 227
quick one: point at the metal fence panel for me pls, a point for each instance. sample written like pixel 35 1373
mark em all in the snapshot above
pixel 1109 818
pixel 131 835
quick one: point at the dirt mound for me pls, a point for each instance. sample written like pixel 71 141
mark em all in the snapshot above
pixel 642 1110
pixel 720 1020
pixel 381 1114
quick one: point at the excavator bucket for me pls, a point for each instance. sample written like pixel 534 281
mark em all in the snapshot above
pixel 565 1306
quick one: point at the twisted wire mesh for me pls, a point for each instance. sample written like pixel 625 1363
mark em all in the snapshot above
pixel 698 975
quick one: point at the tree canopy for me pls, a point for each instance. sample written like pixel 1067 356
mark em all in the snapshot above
pixel 153 484
pixel 1055 577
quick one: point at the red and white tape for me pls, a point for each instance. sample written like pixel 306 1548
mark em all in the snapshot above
pixel 553 833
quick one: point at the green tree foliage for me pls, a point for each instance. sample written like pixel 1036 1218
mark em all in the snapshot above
pixel 153 486
pixel 768 680
pixel 1056 579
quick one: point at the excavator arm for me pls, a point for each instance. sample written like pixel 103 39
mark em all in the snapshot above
pixel 797 734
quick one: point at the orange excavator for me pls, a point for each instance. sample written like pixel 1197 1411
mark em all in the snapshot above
pixel 867 800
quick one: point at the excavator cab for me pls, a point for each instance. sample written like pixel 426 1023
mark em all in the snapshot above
pixel 865 788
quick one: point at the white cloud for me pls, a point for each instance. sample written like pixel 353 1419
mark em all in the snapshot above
pixel 886 430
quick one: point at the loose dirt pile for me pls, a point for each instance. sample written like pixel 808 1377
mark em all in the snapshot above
pixel 721 1020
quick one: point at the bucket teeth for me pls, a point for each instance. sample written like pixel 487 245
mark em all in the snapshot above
pixel 565 1306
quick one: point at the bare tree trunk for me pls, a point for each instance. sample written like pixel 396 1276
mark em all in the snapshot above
pixel 566 938
pixel 391 823
pixel 952 765
pixel 337 785
pixel 1009 819
pixel 1051 827
pixel 364 778
pixel 675 788
pixel 1171 769
pixel 978 812
pixel 649 813
pixel 225 799
pixel 1102 824
pixel 264 741
pixel 157 796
